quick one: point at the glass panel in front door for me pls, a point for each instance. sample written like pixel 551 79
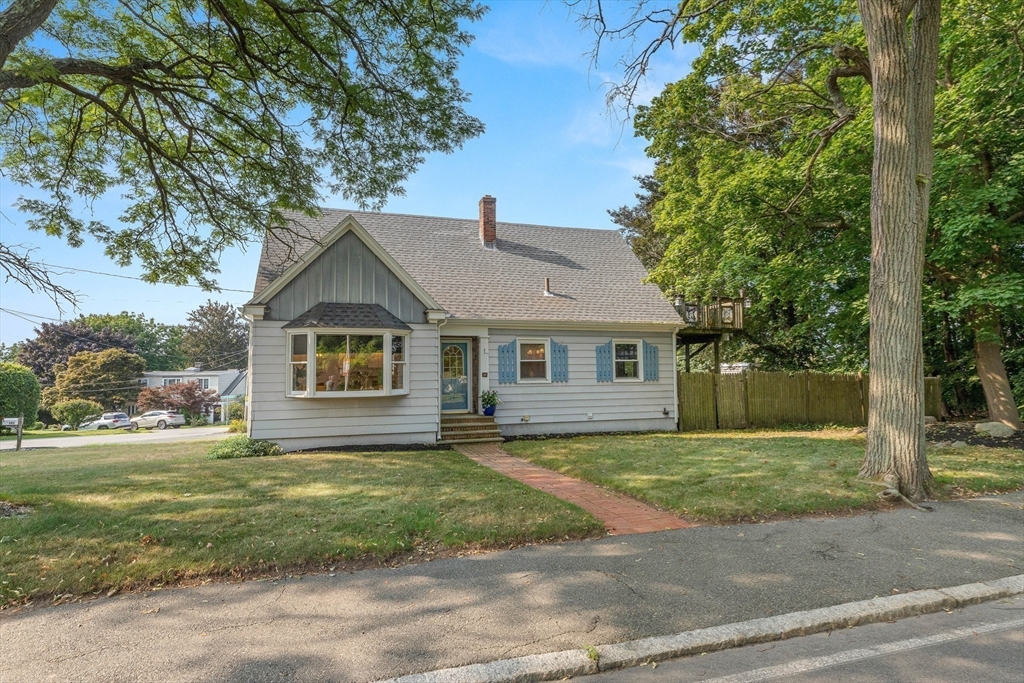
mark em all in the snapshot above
pixel 454 382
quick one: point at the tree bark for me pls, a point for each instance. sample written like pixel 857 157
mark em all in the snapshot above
pixel 19 21
pixel 903 69
pixel 995 383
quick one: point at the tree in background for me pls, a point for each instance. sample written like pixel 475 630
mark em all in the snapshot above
pixel 109 377
pixel 190 399
pixel 74 411
pixel 216 337
pixel 212 118
pixel 9 353
pixel 159 344
pixel 54 343
pixel 19 392
pixel 151 398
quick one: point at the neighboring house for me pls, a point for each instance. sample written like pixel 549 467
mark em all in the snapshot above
pixel 230 384
pixel 375 328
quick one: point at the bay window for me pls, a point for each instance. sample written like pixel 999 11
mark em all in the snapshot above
pixel 347 363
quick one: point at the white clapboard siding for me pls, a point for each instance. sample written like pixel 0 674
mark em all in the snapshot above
pixel 321 422
pixel 563 406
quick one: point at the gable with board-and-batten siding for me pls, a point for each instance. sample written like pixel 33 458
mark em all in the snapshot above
pixel 346 272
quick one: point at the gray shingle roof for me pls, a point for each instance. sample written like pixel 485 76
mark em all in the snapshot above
pixel 367 316
pixel 594 275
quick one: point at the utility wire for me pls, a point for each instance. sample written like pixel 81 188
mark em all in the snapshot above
pixel 133 277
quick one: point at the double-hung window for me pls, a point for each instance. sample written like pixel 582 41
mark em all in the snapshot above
pixel 534 356
pixel 168 381
pixel 628 361
pixel 339 363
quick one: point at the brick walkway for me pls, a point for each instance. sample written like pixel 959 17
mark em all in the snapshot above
pixel 620 514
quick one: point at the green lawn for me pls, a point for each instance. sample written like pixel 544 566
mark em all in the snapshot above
pixel 740 475
pixel 128 516
pixel 30 434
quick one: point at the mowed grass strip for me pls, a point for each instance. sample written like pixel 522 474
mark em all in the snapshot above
pixel 129 516
pixel 33 434
pixel 731 476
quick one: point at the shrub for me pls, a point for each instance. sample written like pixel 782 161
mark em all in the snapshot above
pixel 200 421
pixel 38 425
pixel 236 411
pixel 19 392
pixel 75 411
pixel 54 427
pixel 237 427
pixel 243 447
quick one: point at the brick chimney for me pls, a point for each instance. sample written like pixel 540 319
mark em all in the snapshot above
pixel 488 221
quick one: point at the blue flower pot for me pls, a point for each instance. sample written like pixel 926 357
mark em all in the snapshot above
pixel 489 410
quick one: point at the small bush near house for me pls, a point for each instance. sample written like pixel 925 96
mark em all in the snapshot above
pixel 38 425
pixel 201 421
pixel 243 447
pixel 236 411
pixel 237 427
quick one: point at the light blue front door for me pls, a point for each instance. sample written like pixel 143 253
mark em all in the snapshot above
pixel 454 376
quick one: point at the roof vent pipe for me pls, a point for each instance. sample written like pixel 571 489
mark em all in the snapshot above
pixel 547 287
pixel 488 221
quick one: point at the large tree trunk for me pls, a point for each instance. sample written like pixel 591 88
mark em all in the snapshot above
pixel 992 372
pixel 903 69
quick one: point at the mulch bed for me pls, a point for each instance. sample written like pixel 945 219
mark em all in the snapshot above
pixel 950 432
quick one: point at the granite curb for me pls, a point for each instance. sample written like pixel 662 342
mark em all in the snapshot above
pixel 559 665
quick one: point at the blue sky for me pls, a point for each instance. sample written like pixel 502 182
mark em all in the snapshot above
pixel 552 155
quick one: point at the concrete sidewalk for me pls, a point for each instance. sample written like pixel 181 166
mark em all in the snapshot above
pixel 385 623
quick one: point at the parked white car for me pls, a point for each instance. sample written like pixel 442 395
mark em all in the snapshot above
pixel 159 419
pixel 106 421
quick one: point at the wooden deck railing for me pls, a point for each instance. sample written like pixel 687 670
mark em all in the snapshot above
pixel 721 314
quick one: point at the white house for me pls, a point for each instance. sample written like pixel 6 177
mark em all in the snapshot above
pixel 230 384
pixel 375 328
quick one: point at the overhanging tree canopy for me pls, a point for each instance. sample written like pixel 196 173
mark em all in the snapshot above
pixel 210 116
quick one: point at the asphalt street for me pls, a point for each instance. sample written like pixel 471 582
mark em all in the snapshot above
pixel 377 624
pixel 978 643
pixel 121 436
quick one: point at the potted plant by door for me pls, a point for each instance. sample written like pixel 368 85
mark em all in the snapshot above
pixel 489 400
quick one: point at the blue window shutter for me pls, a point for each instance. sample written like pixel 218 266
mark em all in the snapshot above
pixel 559 362
pixel 507 363
pixel 650 362
pixel 605 364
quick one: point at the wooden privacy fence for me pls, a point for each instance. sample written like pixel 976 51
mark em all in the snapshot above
pixel 766 399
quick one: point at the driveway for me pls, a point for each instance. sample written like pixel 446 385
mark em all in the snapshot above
pixel 121 436
pixel 368 625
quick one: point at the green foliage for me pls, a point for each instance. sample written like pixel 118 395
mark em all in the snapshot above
pixel 762 183
pixel 159 344
pixel 489 398
pixel 109 377
pixel 38 426
pixel 74 411
pixel 216 337
pixel 243 447
pixel 208 119
pixel 19 392
pixel 54 343
pixel 238 427
pixel 9 353
pixel 236 410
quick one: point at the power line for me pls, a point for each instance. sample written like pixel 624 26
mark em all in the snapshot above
pixel 133 277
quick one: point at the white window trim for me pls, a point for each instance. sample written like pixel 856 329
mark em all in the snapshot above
pixel 639 358
pixel 311 391
pixel 547 362
pixel 171 381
